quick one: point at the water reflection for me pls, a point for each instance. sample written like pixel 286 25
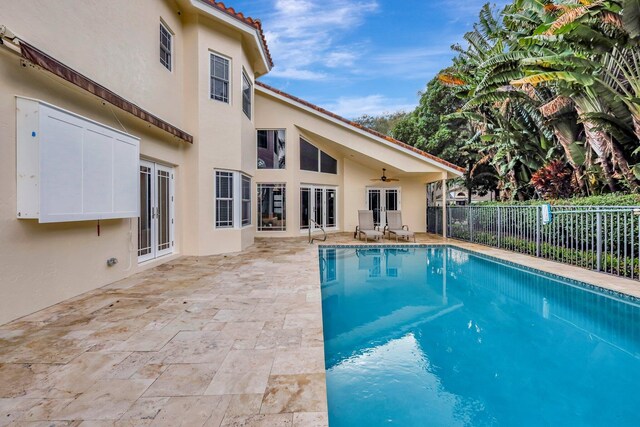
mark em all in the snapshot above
pixel 437 336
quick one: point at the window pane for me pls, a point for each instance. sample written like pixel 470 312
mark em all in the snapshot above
pixel 308 156
pixel 219 78
pixel 331 208
pixel 328 164
pixel 224 199
pixel 144 221
pixel 305 207
pixel 246 95
pixel 246 200
pixel 165 47
pixel 224 185
pixel 271 149
pixel 271 207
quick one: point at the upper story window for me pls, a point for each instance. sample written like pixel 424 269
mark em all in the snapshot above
pixel 246 95
pixel 220 78
pixel 315 160
pixel 166 43
pixel 271 149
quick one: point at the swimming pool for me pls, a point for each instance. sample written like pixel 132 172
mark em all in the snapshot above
pixel 440 336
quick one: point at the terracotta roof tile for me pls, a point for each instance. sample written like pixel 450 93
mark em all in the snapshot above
pixel 246 19
pixel 359 126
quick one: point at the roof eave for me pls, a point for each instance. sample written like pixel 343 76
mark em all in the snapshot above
pixel 254 32
pixel 449 168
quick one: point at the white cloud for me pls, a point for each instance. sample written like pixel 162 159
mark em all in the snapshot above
pixel 411 63
pixel 296 74
pixel 373 105
pixel 305 35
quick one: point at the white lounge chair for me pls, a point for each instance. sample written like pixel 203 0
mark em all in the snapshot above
pixel 367 227
pixel 395 226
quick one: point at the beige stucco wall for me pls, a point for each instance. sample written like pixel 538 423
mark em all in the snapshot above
pixel 226 136
pixel 41 264
pixel 359 156
pixel 116 44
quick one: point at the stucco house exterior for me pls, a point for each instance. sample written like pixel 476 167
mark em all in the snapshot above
pixel 135 132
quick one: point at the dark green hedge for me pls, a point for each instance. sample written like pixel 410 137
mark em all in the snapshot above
pixel 614 199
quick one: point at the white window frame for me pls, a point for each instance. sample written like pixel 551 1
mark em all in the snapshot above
pixel 284 131
pixel 231 175
pixel 245 202
pixel 274 185
pixel 312 206
pixel 212 55
pixel 236 199
pixel 247 80
pixel 163 25
pixel 152 198
pixel 320 152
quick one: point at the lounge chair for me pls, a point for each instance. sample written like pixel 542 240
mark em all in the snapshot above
pixel 367 227
pixel 395 226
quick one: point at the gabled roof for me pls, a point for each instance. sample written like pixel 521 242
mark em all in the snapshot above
pixel 255 23
pixel 358 126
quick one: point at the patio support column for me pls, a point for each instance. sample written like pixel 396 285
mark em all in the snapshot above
pixel 444 205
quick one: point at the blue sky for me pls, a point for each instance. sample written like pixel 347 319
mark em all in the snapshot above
pixel 357 57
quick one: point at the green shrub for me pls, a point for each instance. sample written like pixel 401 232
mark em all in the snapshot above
pixel 613 199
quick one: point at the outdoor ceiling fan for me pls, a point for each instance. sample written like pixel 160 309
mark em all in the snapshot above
pixel 384 178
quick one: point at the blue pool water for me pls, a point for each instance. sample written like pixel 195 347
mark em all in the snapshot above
pixel 437 336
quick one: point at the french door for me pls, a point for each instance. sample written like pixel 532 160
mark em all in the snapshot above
pixel 381 200
pixel 318 207
pixel 155 224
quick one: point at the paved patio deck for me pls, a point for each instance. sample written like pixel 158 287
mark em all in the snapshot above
pixel 231 340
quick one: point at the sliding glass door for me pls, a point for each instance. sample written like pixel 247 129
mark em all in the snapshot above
pixel 318 207
pixel 155 224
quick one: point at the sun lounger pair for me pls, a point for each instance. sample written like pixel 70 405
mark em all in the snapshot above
pixel 394 226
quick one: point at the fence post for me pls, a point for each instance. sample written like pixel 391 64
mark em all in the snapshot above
pixel 499 224
pixel 538 237
pixel 470 220
pixel 598 241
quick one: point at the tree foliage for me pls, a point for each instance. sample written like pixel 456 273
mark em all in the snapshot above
pixel 538 83
pixel 382 123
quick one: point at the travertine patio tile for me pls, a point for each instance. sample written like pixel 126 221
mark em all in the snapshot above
pixel 244 404
pixel 106 399
pixel 310 419
pixel 182 380
pixel 279 338
pixel 192 411
pixel 129 366
pixel 242 372
pixel 196 347
pixel 147 340
pixel 241 330
pixel 312 337
pixel 307 360
pixel 295 393
pixel 145 408
pixel 14 409
pixel 277 420
pixel 303 320
pixel 76 377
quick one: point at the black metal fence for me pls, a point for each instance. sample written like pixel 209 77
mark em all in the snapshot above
pixel 600 238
